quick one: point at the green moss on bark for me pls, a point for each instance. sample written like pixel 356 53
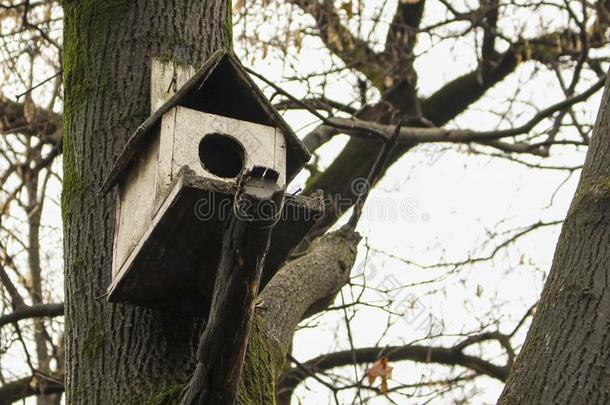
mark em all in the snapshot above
pixel 80 46
pixel 92 343
pixel 262 367
pixel 73 183
pixel 169 396
pixel 229 26
pixel 83 77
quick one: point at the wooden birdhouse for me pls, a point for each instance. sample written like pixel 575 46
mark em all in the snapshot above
pixel 177 176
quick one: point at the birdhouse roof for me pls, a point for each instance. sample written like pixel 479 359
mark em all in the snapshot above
pixel 222 87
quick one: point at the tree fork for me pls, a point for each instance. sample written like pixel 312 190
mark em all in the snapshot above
pixel 222 347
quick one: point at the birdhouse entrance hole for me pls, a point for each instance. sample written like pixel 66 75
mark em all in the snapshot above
pixel 221 155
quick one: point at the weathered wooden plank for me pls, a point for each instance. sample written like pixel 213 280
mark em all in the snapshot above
pixel 135 205
pixel 166 78
pixel 166 157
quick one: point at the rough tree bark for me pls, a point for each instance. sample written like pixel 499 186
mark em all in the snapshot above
pixel 119 354
pixel 566 353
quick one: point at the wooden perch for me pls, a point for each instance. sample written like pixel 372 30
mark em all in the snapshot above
pixel 222 347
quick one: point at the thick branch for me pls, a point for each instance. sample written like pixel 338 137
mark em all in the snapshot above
pixel 490 10
pixel 302 287
pixel 411 135
pixel 16 298
pixel 318 137
pixel 307 284
pixel 35 311
pixel 400 75
pixel 421 354
pixel 404 27
pixel 21 389
pixel 354 51
pixel 454 97
pixel 29 119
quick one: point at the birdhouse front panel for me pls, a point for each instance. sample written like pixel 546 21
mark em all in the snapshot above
pixel 215 147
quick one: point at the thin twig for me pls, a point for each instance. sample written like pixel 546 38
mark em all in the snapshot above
pixel 373 176
pixel 48 79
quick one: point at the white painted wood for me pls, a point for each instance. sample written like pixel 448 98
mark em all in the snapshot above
pixel 166 156
pixel 165 79
pixel 119 269
pixel 135 206
pixel 263 145
pixel 280 154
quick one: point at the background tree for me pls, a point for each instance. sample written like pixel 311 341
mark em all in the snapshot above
pixel 567 341
pixel 378 50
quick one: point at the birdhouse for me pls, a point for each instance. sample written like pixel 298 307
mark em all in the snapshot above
pixel 177 176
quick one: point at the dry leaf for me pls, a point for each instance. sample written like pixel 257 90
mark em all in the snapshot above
pixel 334 39
pixel 382 369
pixel 388 81
pixel 298 39
pixel 348 8
pixel 239 4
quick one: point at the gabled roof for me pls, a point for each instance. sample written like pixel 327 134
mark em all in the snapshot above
pixel 223 87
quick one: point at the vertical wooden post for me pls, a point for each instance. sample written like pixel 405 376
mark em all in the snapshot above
pixel 222 347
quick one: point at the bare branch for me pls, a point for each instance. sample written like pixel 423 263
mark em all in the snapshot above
pixel 422 135
pixel 29 119
pixel 424 354
pixel 34 311
pixel 26 387
pixel 354 51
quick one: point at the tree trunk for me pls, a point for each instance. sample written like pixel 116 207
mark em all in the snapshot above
pixel 34 208
pixel 567 350
pixel 119 354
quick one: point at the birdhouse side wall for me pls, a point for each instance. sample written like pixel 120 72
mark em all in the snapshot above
pixel 135 203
